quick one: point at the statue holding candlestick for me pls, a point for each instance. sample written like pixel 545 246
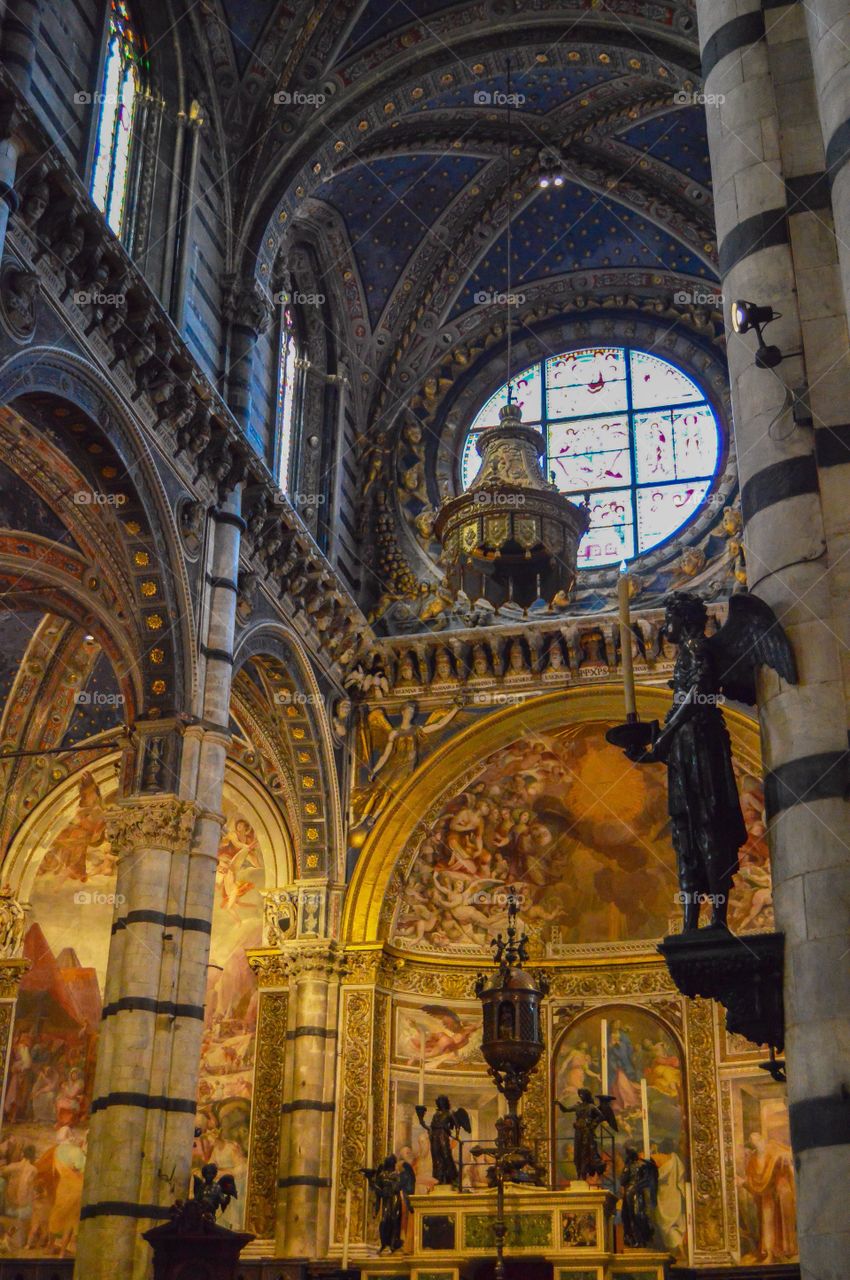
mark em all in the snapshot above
pixel 705 812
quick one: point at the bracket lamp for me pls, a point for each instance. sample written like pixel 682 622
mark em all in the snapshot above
pixel 747 316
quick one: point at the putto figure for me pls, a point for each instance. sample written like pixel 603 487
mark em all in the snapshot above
pixel 639 1185
pixel 707 825
pixel 213 1196
pixel 445 1125
pixel 589 1119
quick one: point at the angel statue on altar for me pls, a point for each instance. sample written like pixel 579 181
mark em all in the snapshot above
pixel 707 825
pixel 445 1127
pixel 589 1118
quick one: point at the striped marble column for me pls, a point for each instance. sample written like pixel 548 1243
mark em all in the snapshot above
pixel 777 248
pixel 249 312
pixel 146 1079
pixel 307 1107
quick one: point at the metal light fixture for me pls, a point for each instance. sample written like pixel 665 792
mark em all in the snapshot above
pixel 749 315
pixel 551 168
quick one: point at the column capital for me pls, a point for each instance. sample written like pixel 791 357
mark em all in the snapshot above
pixel 278 967
pixel 371 967
pixel 11 972
pixel 247 304
pixel 12 926
pixel 153 822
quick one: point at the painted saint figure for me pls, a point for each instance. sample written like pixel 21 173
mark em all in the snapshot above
pixel 445 1125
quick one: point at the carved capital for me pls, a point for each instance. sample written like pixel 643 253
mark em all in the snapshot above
pixel 277 968
pixel 11 972
pixel 372 968
pixel 12 925
pixel 248 305
pixel 156 822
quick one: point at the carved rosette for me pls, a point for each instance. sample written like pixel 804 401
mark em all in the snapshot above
pixel 152 823
pixel 265 1118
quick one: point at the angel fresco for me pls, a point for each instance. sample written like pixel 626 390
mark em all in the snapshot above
pixel 707 824
pixel 398 749
pixel 436 1034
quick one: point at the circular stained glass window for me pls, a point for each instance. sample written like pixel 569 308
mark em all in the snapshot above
pixel 626 427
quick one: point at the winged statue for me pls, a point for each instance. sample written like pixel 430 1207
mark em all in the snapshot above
pixel 589 1118
pixel 213 1195
pixel 707 825
pixel 639 1188
pixel 446 1126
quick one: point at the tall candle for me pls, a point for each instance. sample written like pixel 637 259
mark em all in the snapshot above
pixel 347 1230
pixel 626 642
pixel 603 1038
pixel 422 1073
pixel 644 1116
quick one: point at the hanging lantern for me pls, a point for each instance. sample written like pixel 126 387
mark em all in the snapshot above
pixel 511 537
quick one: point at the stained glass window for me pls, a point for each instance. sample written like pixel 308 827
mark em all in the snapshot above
pixel 286 392
pixel 116 103
pixel 626 427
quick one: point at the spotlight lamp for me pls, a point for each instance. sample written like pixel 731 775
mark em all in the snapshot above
pixel 749 315
pixel 551 168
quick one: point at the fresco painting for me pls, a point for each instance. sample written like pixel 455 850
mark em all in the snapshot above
pixel 583 836
pixel 230 1018
pixel 49 1087
pixel 626 1052
pixel 438 1035
pixel 764 1173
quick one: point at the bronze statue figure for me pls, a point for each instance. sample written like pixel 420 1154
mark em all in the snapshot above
pixel 639 1185
pixel 445 1125
pixel 705 812
pixel 389 1187
pixel 589 1118
pixel 213 1196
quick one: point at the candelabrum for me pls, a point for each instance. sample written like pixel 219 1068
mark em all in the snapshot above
pixel 512 1044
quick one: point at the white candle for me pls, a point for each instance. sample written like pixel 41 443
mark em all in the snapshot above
pixel 370 1130
pixel 603 1036
pixel 626 641
pixel 346 1235
pixel 644 1116
pixel 422 1078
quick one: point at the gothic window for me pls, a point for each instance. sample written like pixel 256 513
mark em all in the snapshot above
pixel 116 103
pixel 628 428
pixel 287 395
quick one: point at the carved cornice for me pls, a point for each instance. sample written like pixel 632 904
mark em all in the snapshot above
pixel 153 823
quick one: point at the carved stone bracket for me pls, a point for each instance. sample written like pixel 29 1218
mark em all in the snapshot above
pixel 743 974
pixel 156 822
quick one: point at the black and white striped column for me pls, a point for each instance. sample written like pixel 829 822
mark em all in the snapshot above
pixel 777 248
pixel 146 1080
pixel 307 1106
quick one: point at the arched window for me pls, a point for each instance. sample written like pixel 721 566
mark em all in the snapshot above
pixel 287 395
pixel 117 103
pixel 627 427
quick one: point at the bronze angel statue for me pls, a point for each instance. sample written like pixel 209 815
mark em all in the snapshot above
pixel 707 825
pixel 589 1118
pixel 446 1124
pixel 213 1196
